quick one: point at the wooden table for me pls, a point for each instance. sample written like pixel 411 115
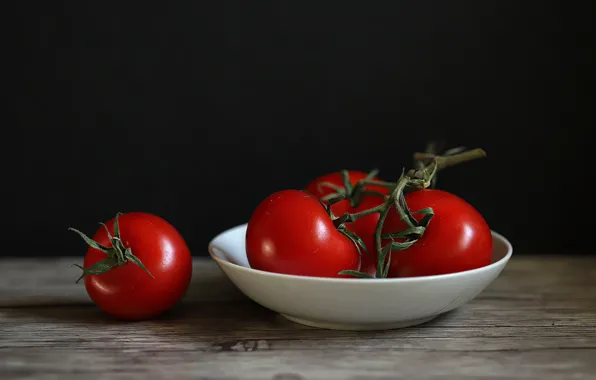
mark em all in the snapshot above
pixel 537 321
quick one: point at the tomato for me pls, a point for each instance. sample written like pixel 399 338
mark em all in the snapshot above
pixel 363 227
pixel 127 291
pixel 457 238
pixel 290 232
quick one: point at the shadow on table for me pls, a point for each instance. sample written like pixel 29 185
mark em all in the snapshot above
pixel 204 320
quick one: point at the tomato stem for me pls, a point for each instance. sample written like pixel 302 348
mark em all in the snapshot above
pixel 385 207
pixel 349 218
pixel 374 182
pixel 415 179
pixel 117 254
pixel 446 161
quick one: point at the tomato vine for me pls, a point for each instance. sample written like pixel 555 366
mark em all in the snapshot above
pixel 415 179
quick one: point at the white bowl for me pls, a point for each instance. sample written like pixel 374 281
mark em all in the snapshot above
pixel 354 304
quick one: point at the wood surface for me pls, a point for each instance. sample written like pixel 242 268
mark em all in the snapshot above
pixel 536 321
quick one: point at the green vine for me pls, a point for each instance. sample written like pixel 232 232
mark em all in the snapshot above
pixel 355 194
pixel 415 179
pixel 434 148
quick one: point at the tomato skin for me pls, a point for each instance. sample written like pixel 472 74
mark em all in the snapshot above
pixel 363 227
pixel 128 292
pixel 290 232
pixel 457 238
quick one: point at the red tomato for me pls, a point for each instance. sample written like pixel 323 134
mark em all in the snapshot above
pixel 290 232
pixel 127 291
pixel 363 227
pixel 457 238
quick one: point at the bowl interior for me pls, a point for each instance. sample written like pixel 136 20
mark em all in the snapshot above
pixel 230 246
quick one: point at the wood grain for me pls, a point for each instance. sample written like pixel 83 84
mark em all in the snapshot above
pixel 536 321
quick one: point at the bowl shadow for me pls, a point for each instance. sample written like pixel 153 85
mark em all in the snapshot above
pixel 214 316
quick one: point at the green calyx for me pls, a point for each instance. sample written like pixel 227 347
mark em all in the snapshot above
pixel 117 254
pixel 354 193
pixel 422 177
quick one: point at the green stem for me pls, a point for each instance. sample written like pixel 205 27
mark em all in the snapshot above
pixel 400 209
pixel 378 242
pixel 349 218
pixel 415 179
pixel 358 215
pixel 444 162
pixel 373 182
pixel 386 207
pixel 422 178
pixel 345 175
pixel 330 185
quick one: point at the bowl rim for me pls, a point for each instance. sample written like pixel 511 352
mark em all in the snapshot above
pixel 357 280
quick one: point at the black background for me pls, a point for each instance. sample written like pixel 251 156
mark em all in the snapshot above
pixel 197 111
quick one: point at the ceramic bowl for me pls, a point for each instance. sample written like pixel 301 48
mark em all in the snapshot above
pixel 354 304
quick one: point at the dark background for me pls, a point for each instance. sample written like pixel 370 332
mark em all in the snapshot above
pixel 197 111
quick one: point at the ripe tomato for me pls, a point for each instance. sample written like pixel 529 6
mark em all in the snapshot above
pixel 363 227
pixel 457 238
pixel 290 232
pixel 127 291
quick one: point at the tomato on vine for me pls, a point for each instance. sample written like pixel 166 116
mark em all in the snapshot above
pixel 414 243
pixel 290 232
pixel 331 184
pixel 457 239
pixel 137 266
pixel 321 231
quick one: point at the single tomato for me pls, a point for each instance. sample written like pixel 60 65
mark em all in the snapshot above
pixel 457 238
pixel 363 227
pixel 126 290
pixel 290 232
